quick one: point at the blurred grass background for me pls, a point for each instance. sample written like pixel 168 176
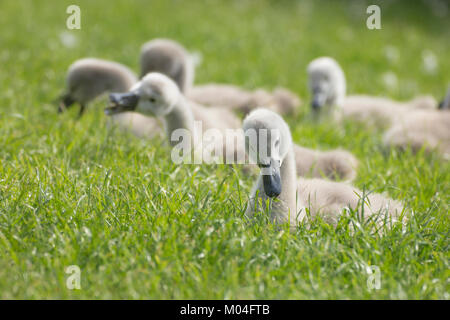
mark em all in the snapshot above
pixel 75 192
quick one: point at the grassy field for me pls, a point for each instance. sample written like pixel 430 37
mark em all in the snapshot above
pixel 138 226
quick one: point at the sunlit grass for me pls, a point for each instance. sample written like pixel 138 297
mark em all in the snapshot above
pixel 138 226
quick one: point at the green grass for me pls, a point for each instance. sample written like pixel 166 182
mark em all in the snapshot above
pixel 138 226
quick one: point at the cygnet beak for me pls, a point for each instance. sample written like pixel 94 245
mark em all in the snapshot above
pixel 122 102
pixel 271 178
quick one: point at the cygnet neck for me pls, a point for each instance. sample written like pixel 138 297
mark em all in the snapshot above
pixel 180 117
pixel 284 207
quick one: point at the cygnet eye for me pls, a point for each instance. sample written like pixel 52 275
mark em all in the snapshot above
pixel 152 99
pixel 277 143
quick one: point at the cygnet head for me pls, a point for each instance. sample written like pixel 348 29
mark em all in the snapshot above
pixel 170 58
pixel 267 142
pixel 156 94
pixel 326 83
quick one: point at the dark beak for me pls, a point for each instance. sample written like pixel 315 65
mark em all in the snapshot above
pixel 315 105
pixel 445 103
pixel 122 102
pixel 318 101
pixel 65 102
pixel 271 179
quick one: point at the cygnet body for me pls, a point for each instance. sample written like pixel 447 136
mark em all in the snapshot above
pixel 172 59
pixel 328 87
pixel 90 78
pixel 290 198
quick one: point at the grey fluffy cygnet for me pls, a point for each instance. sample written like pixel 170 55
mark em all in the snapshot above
pixel 423 129
pixel 291 200
pixel 280 100
pixel 328 88
pixel 89 78
pixel 172 59
pixel 158 95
